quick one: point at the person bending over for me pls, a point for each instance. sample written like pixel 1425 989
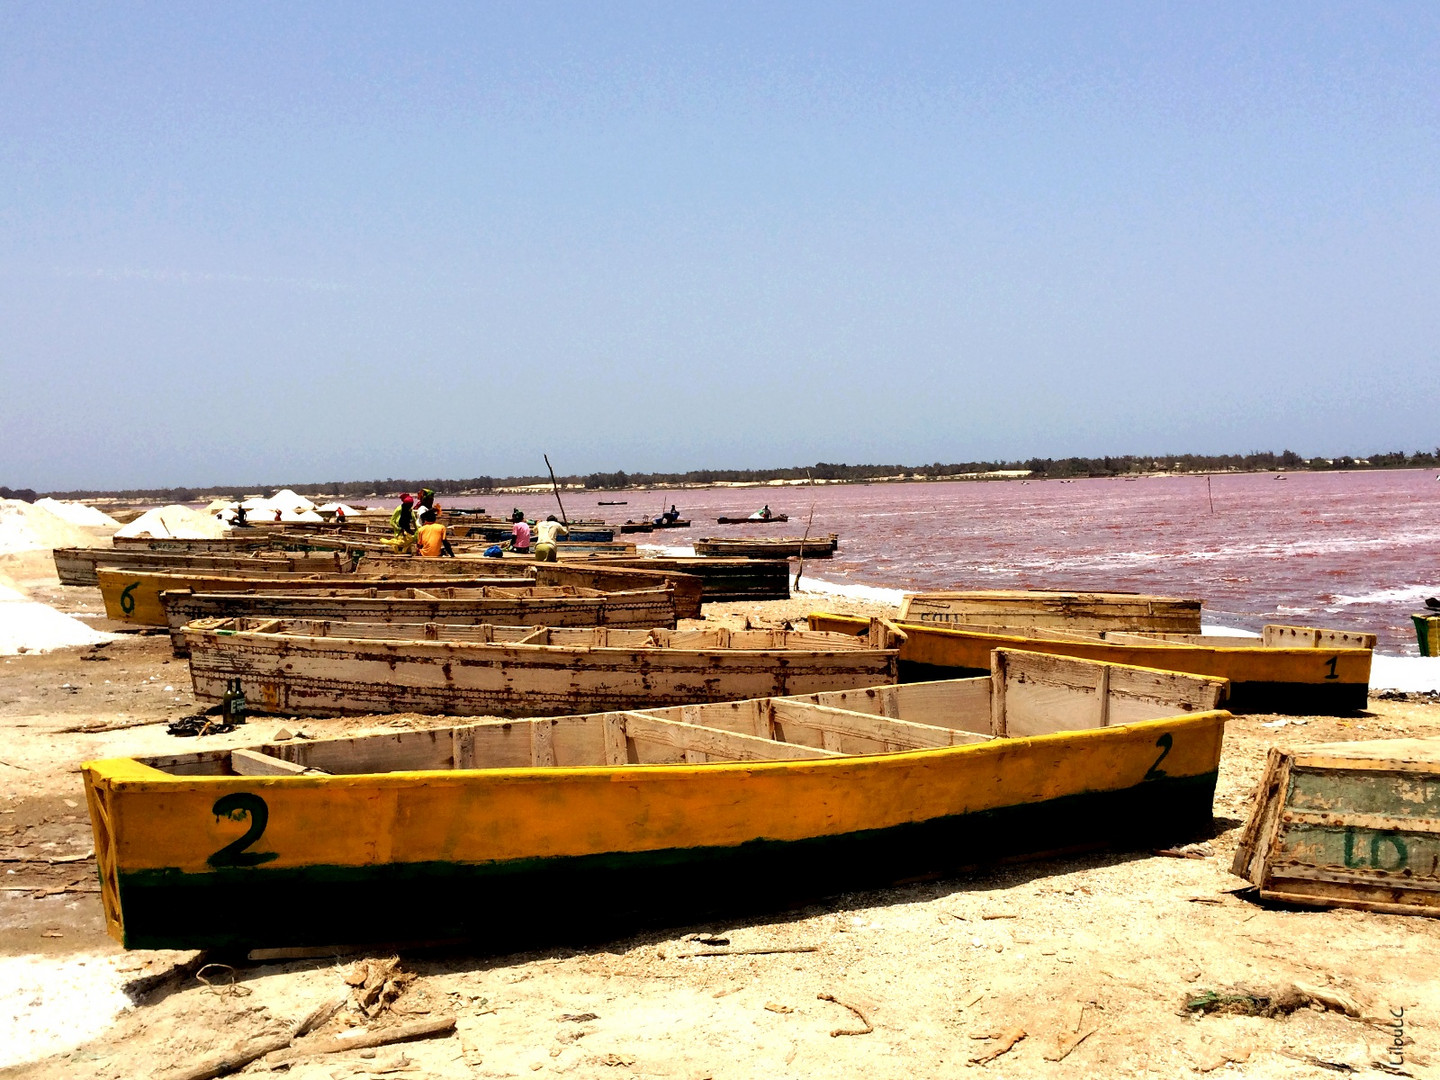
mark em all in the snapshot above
pixel 547 533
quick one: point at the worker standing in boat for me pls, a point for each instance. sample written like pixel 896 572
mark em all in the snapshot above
pixel 763 514
pixel 670 516
pixel 403 522
pixel 547 532
pixel 430 540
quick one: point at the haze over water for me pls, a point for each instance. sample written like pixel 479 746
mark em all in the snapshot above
pixel 1355 551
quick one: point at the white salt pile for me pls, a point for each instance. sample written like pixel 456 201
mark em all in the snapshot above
pixel 76 513
pixel 29 626
pixel 179 522
pixel 27 527
pixel 49 1004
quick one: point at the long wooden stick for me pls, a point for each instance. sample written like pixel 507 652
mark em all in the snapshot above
pixel 556 487
pixel 419 1029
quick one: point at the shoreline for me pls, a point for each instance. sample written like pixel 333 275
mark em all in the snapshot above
pixel 1011 945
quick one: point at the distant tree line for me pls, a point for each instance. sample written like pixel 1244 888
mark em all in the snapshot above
pixel 1042 468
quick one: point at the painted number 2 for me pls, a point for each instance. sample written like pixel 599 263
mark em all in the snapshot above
pixel 1165 742
pixel 237 806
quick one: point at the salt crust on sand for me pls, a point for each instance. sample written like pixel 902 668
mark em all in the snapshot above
pixel 77 513
pixel 179 522
pixel 29 626
pixel 25 527
pixel 48 1004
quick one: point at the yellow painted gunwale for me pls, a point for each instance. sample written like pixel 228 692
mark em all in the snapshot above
pixel 494 815
pixel 958 647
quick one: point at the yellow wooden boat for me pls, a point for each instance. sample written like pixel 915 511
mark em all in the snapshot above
pixel 1289 669
pixel 318 668
pixel 133 596
pixel 513 832
pixel 77 566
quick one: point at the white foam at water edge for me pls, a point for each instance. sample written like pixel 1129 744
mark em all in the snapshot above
pixel 874 593
pixel 1409 674
pixel 1409 594
pixel 682 551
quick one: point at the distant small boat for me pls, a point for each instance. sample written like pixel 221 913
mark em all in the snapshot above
pixel 752 520
pixel 615 502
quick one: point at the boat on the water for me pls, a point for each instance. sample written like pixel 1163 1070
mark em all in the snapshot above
pixel 318 668
pixel 652 526
pixel 1289 669
pixel 772 519
pixel 525 604
pixel 755 547
pixel 1351 824
pixel 517 832
pixel 1035 608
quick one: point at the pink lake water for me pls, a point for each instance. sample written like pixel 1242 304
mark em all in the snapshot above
pixel 1354 551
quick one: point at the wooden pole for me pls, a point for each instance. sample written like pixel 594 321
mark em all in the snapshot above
pixel 556 487
pixel 1210 493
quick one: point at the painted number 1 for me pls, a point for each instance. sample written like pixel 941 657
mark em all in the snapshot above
pixel 238 806
pixel 1331 665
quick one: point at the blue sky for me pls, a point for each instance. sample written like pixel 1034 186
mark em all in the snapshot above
pixel 263 242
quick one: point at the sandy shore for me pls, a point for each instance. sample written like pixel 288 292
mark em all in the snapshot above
pixel 1102 946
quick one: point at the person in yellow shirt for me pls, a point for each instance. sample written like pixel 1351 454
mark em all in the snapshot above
pixel 431 540
pixel 546 533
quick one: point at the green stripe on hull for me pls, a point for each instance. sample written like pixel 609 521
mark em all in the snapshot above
pixel 544 901
pixel 1292 698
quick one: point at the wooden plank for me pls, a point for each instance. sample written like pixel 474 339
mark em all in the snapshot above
pixel 542 744
pixel 716 744
pixel 617 746
pixel 1276 636
pixel 999 661
pixel 1025 608
pixel 887 734
pixel 1046 693
pixel 253 763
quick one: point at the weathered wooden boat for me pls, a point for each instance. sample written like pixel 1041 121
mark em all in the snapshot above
pixel 76 566
pixel 815 547
pixel 612 502
pixel 1289 669
pixel 688 589
pixel 490 831
pixel 133 596
pixel 723 578
pixel 774 518
pixel 636 527
pixel 527 605
pixel 242 540
pixel 1352 824
pixel 316 668
pixel 1034 608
